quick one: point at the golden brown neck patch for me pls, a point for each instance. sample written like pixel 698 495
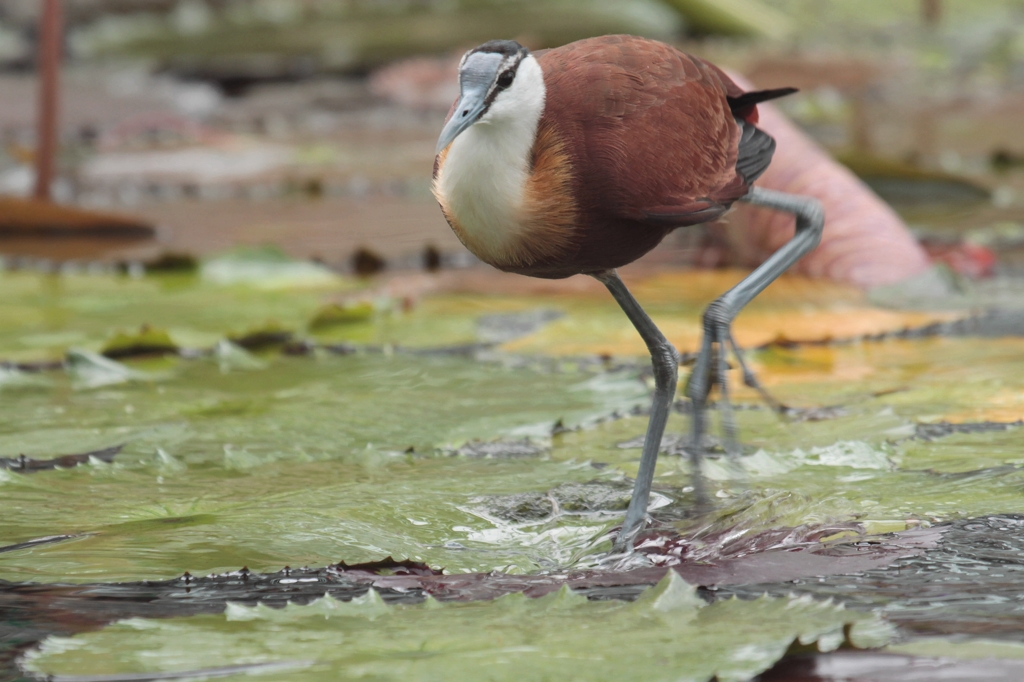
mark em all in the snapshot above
pixel 548 202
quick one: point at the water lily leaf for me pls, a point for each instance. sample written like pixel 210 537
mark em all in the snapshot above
pixel 502 327
pixel 147 341
pixel 292 445
pixel 29 464
pixel 171 261
pixel 267 335
pixel 266 267
pixel 501 449
pixel 323 450
pixel 335 314
pixel 91 370
pixel 36 542
pixel 668 635
pixel 389 566
pixel 791 310
pixel 230 356
pixel 672 593
pixel 14 376
pixel 33 217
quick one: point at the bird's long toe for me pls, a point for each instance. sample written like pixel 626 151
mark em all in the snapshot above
pixel 750 379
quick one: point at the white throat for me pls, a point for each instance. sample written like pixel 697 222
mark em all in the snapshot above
pixel 484 174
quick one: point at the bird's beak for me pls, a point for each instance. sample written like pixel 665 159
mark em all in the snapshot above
pixel 470 107
pixel 476 74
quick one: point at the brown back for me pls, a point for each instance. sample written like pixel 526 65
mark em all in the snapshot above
pixel 650 126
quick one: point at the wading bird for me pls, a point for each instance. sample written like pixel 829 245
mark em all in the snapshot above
pixel 582 158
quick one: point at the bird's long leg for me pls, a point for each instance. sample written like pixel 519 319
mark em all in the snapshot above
pixel 665 359
pixel 730 439
pixel 718 317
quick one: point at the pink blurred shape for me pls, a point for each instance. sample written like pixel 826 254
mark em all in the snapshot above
pixel 865 243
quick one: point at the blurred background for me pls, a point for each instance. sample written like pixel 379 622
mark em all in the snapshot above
pixel 188 127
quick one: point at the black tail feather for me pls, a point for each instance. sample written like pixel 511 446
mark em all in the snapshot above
pixel 744 103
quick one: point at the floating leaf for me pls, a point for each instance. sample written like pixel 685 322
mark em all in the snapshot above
pixel 35 218
pixel 388 566
pixel 503 327
pixel 147 341
pixel 334 314
pixel 669 634
pixel 265 336
pixel 91 370
pixel 791 310
pixel 325 451
pixel 231 356
pixel 266 267
pixel 171 261
pixel 289 443
pixel 29 464
pixel 15 377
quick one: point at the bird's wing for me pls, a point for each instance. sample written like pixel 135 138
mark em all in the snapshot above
pixel 655 137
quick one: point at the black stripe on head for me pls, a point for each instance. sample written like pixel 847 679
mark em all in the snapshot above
pixel 507 48
pixel 511 53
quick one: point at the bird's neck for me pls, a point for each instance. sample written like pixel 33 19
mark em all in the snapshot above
pixel 483 176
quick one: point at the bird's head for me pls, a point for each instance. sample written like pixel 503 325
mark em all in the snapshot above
pixel 500 80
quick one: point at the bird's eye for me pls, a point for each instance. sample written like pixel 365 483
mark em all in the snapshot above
pixel 505 79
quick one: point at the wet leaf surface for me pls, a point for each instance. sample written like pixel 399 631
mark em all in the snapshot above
pixel 667 630
pixel 25 464
pixel 969 584
pixel 147 341
pixel 389 566
pixel 418 433
pixel 791 310
pixel 845 666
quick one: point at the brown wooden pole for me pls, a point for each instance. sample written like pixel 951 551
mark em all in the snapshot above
pixel 50 47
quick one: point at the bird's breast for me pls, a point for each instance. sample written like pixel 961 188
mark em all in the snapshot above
pixel 507 195
pixel 480 185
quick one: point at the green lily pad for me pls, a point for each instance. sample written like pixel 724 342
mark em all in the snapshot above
pixel 301 460
pixel 147 341
pixel 334 314
pixel 45 315
pixel 320 442
pixel 454 459
pixel 667 634
pixel 268 335
pixel 266 267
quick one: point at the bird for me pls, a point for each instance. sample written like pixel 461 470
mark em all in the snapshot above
pixel 582 158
